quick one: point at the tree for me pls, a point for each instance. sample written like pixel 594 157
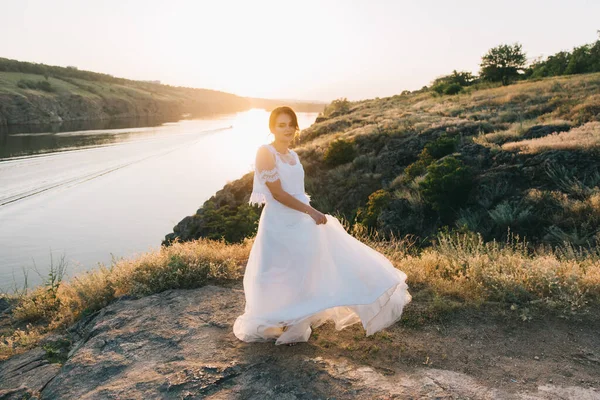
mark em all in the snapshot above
pixel 463 78
pixel 595 55
pixel 452 84
pixel 580 61
pixel 557 64
pixel 503 63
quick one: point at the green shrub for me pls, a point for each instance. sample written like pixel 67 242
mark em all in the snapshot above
pixel 453 83
pixel 453 88
pixel 377 202
pixel 447 88
pixel 36 85
pixel 437 149
pixel 439 88
pixel 509 215
pixel 419 167
pixel 339 152
pixel 227 222
pixel 441 147
pixel 447 184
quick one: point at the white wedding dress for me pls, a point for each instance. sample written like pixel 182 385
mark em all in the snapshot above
pixel 300 274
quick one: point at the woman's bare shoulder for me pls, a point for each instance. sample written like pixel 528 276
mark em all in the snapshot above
pixel 263 148
pixel 264 155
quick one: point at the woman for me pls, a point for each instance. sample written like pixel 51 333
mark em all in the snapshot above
pixel 304 268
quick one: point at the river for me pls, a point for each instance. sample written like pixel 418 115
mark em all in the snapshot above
pixel 90 196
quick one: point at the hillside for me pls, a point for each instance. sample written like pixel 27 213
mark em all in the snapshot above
pixel 498 161
pixel 488 200
pixel 37 93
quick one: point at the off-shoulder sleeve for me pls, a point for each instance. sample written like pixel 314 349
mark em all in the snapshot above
pixel 265 170
pixel 265 167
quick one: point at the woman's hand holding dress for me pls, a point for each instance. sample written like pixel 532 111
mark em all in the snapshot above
pixel 318 216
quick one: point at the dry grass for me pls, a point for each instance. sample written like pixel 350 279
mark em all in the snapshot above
pixel 508 110
pixel 585 137
pixel 514 132
pixel 182 265
pixel 459 267
pixel 525 90
pixel 464 267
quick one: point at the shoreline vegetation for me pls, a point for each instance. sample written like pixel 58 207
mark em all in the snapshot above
pixel 487 194
pixel 42 94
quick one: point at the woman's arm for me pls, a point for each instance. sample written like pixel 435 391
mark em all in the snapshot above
pixel 267 170
pixel 288 200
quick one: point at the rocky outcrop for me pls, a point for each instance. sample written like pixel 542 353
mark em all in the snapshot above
pixel 209 219
pixel 27 373
pixel 179 345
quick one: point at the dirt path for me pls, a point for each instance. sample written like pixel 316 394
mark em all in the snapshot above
pixel 179 344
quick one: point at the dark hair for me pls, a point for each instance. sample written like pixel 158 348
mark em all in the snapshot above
pixel 282 110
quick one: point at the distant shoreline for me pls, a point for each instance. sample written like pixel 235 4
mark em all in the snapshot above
pixel 59 95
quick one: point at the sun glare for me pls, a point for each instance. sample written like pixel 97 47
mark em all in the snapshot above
pixel 250 129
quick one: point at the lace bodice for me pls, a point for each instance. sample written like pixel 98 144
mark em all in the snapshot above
pixel 270 165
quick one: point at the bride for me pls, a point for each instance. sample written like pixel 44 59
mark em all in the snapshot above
pixel 304 268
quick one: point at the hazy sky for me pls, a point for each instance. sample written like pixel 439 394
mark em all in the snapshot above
pixel 306 49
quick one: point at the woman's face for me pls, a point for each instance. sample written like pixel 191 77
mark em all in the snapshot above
pixel 284 130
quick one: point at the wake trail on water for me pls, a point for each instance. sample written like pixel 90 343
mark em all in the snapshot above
pixel 24 177
pixel 62 151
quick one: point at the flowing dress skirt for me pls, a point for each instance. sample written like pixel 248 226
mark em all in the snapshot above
pixel 300 274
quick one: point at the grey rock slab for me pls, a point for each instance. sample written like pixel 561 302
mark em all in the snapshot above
pixel 179 344
pixel 18 394
pixel 438 384
pixel 29 370
pixel 160 346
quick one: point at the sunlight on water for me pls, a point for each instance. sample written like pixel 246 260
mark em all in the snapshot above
pixel 119 192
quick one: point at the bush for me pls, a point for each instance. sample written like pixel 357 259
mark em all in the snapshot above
pixel 339 152
pixel 437 149
pixel 508 215
pixel 453 88
pixel 447 184
pixel 447 88
pixel 439 88
pixel 36 85
pixel 419 167
pixel 226 222
pixel 454 83
pixel 377 202
pixel 441 147
pixel 337 107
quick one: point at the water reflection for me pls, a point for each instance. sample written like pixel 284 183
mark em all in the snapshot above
pixel 23 140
